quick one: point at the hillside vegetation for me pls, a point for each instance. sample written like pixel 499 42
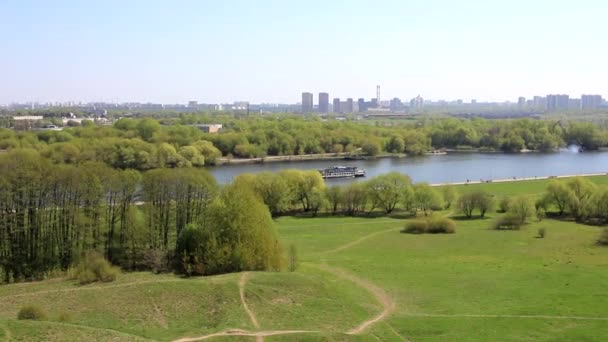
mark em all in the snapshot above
pixel 359 279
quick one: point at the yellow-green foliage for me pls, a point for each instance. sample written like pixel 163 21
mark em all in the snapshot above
pixel 95 268
pixel 431 225
pixel 239 235
pixel 31 312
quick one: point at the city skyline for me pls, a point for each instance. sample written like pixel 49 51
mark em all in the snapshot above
pixel 161 52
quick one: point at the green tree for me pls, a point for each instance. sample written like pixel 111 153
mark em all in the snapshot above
pixel 388 190
pixel 147 128
pixel 426 198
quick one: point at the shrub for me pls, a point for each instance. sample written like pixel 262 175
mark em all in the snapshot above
pixel 415 227
pixel 603 240
pixel 521 208
pixel 504 204
pixel 31 312
pixel 542 233
pixel 508 222
pixel 156 260
pixel 431 226
pixel 64 317
pixel 441 225
pixel 95 268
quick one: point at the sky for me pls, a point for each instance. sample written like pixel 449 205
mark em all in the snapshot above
pixel 271 51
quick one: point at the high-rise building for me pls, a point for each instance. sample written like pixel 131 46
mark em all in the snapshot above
pixel 396 104
pixel 361 106
pixel 558 102
pixel 349 106
pixel 521 102
pixel 307 103
pixel 323 102
pixel 337 107
pixel 591 101
pixel 539 102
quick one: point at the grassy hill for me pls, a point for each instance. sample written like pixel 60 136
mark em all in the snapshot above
pixel 359 280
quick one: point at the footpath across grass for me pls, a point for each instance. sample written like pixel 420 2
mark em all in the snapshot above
pixel 475 285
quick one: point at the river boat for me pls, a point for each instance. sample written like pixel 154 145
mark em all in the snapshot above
pixel 342 172
pixel 436 153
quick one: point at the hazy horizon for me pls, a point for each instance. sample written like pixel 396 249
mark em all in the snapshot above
pixel 272 51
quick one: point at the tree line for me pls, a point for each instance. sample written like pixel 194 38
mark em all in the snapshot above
pixel 53 215
pixel 150 143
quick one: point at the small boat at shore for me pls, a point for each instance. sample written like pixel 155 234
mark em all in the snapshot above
pixel 342 172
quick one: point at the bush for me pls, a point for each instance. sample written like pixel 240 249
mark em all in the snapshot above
pixel 430 226
pixel 95 268
pixel 521 208
pixel 415 227
pixel 31 312
pixel 504 204
pixel 64 317
pixel 508 222
pixel 441 226
pixel 542 233
pixel 603 240
pixel 156 260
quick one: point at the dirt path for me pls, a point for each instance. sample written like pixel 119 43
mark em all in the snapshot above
pixel 388 304
pixel 254 320
pixel 7 332
pixel 237 332
pixel 358 241
pixel 580 318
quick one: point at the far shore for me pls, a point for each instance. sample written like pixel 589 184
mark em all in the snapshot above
pixel 305 157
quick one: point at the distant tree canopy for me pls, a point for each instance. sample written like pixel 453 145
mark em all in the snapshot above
pixel 149 142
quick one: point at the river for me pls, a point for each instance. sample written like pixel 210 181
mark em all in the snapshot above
pixel 450 168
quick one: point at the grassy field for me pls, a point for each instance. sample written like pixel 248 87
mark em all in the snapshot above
pixel 359 280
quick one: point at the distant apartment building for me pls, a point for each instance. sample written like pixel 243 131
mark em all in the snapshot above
pixel 558 102
pixel 361 105
pixel 349 107
pixel 521 102
pixel 337 107
pixel 539 102
pixel 26 123
pixel 591 101
pixel 193 104
pixel 323 102
pixel 209 128
pixel 307 103
pixel 396 105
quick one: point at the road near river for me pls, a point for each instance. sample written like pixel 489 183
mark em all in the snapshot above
pixel 450 168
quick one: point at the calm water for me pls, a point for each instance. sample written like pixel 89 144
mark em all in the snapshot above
pixel 453 167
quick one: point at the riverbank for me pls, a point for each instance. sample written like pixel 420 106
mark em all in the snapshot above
pixel 520 179
pixel 304 157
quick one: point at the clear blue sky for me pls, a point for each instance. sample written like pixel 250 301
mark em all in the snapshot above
pixel 225 50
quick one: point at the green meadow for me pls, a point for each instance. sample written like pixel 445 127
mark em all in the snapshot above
pixel 359 279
